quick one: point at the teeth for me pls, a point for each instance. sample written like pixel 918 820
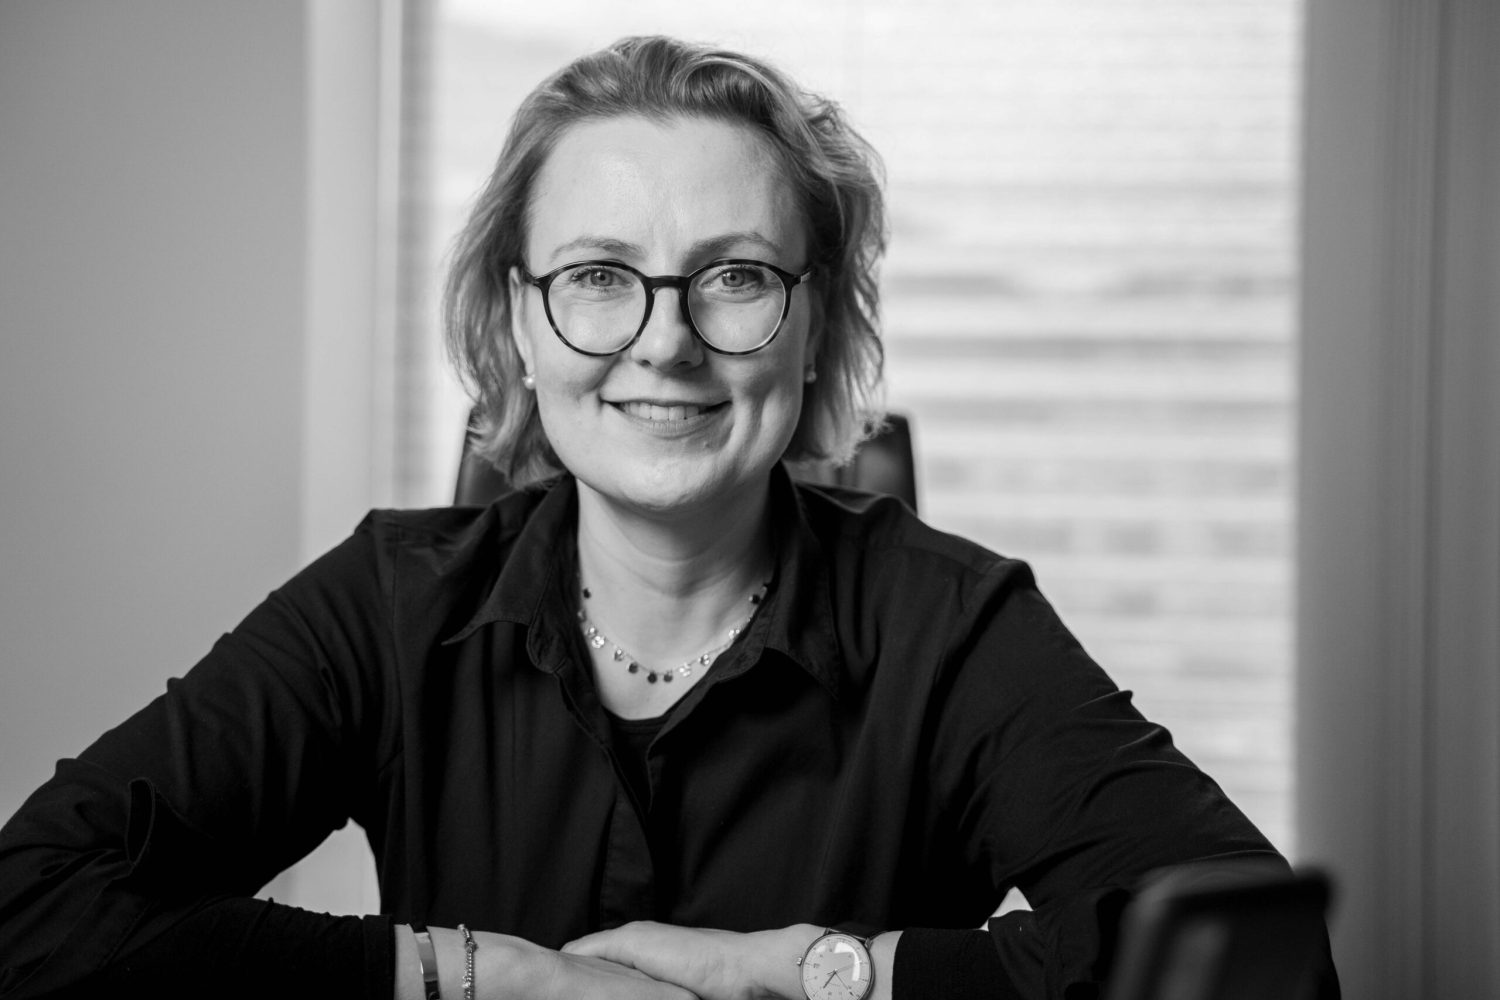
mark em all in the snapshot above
pixel 648 411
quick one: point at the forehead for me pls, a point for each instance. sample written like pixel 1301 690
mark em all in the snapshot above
pixel 658 190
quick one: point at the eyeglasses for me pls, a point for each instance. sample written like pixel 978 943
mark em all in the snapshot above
pixel 600 307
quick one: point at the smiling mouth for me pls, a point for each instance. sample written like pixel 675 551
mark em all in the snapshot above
pixel 665 414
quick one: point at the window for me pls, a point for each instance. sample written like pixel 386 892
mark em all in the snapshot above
pixel 1089 301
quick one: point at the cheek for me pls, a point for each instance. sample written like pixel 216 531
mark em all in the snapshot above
pixel 560 370
pixel 778 394
pixel 566 393
pixel 562 385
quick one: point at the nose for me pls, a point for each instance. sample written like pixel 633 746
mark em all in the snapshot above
pixel 668 342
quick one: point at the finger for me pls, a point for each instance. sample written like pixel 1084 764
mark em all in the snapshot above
pixel 597 943
pixel 628 982
pixel 622 940
pixel 606 965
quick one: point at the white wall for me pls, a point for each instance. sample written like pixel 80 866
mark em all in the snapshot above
pixel 1399 549
pixel 183 413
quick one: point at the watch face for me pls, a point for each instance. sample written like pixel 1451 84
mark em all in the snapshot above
pixel 837 967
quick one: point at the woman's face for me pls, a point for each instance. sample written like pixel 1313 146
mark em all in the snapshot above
pixel 666 425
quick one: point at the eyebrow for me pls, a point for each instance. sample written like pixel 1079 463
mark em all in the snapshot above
pixel 713 246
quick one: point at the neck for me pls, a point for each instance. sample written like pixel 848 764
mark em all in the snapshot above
pixel 668 587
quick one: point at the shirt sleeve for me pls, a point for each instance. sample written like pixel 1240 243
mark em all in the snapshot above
pixel 137 862
pixel 954 965
pixel 1049 780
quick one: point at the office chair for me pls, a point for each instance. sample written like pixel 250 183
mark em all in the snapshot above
pixel 1222 931
pixel 883 464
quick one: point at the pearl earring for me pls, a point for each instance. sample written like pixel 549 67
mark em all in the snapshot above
pixel 810 374
pixel 529 381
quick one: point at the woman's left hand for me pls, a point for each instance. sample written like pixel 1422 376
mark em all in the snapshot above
pixel 715 965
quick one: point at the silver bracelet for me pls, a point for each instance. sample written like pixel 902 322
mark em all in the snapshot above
pixel 469 949
pixel 426 961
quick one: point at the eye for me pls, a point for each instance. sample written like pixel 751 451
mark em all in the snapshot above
pixel 736 279
pixel 594 276
pixel 594 282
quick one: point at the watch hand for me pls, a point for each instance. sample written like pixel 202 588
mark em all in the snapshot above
pixel 835 972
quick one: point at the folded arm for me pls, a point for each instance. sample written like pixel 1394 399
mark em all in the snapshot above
pixel 137 862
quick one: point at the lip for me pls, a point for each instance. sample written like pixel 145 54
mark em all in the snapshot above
pixel 662 410
pixel 668 417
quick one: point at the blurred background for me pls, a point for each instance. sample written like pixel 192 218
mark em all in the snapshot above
pixel 1191 304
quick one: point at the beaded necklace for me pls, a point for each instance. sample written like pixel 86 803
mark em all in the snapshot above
pixel 598 640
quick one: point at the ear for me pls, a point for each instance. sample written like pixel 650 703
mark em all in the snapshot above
pixel 815 327
pixel 814 342
pixel 519 328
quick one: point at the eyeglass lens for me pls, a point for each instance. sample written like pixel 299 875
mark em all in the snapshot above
pixel 599 308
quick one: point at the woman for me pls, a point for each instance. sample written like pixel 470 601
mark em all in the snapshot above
pixel 661 688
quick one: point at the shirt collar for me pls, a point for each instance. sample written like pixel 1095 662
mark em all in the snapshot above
pixel 533 586
pixel 543 547
pixel 799 618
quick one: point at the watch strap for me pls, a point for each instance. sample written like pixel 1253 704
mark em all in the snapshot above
pixel 427 961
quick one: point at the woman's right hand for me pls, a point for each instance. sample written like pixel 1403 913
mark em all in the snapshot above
pixel 511 967
pixel 585 976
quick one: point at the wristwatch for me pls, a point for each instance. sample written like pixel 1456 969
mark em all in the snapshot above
pixel 837 966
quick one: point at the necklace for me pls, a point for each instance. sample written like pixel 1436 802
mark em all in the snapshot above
pixel 598 640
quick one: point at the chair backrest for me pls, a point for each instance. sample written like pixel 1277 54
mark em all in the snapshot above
pixel 883 464
pixel 1218 931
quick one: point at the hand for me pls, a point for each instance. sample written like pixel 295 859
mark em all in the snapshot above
pixel 579 976
pixel 713 964
pixel 506 966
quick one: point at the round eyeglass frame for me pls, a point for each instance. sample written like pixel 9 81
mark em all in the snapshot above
pixel 681 282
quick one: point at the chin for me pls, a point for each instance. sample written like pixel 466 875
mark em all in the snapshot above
pixel 681 496
pixel 671 489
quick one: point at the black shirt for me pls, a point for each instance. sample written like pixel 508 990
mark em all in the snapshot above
pixel 904 732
